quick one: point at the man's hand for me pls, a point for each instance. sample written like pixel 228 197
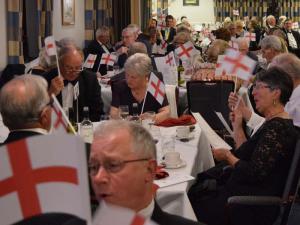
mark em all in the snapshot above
pixel 56 86
pixel 122 50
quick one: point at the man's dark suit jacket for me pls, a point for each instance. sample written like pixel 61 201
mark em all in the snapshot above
pixel 52 219
pixel 95 48
pixel 89 94
pixel 296 35
pixel 18 135
pixel 164 218
pixel 172 34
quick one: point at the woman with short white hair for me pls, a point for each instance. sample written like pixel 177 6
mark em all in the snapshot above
pixel 134 90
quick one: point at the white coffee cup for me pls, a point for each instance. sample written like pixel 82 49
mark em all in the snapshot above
pixel 172 158
pixel 183 132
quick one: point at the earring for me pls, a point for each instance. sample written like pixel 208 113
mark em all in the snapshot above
pixel 274 102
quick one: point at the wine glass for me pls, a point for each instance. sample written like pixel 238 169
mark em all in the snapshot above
pixel 123 111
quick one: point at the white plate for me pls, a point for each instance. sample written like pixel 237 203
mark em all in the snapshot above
pixel 190 137
pixel 181 164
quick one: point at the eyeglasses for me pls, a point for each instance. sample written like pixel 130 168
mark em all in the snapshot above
pixel 113 166
pixel 259 86
pixel 76 69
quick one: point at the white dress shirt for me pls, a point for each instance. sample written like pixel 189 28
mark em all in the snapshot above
pixel 148 211
pixel 293 106
pixel 292 40
pixel 68 96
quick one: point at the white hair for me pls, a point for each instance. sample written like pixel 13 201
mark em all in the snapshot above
pixel 138 63
pixel 141 140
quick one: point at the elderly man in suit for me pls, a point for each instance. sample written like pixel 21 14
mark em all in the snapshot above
pixel 98 47
pixel 25 108
pixel 122 166
pixel 292 37
pixel 129 36
pixel 72 74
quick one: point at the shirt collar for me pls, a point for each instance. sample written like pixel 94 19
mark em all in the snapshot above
pixel 37 130
pixel 148 211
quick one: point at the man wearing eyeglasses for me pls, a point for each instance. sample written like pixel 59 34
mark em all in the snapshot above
pixel 72 74
pixel 24 106
pixel 122 166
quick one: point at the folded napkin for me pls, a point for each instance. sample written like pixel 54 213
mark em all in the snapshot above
pixel 160 173
pixel 183 120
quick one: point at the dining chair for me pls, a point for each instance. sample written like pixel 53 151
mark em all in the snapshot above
pixel 208 97
pixel 287 199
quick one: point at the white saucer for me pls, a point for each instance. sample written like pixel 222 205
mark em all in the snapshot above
pixel 179 165
pixel 190 137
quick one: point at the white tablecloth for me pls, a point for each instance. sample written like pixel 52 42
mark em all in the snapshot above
pixel 198 156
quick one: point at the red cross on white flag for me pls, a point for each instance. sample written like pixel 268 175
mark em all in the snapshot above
pixel 295 25
pixel 235 63
pixel 163 44
pixel 185 51
pixel 219 69
pixel 161 25
pixel 50 45
pixel 161 17
pixel 234 45
pixel 90 61
pixel 157 88
pixel 250 36
pixel 40 174
pixel 60 121
pixel 170 59
pixel 108 59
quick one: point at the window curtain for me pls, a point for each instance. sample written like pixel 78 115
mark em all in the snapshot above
pixel 162 7
pixel 97 13
pixel 145 13
pixel 121 17
pixel 290 8
pixel 38 26
pixel 45 20
pixel 14 31
pixel 224 8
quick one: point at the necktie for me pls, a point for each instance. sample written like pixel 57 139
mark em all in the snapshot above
pixel 73 82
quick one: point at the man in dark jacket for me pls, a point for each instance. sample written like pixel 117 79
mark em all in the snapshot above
pixel 72 74
pixel 25 108
pixel 122 166
pixel 98 47
pixel 292 37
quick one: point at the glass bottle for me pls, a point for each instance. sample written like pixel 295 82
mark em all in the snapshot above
pixel 72 120
pixel 135 112
pixel 86 126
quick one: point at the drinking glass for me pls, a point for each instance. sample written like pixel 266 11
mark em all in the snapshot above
pixel 148 119
pixel 168 143
pixel 124 111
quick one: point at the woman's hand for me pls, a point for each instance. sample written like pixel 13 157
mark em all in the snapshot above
pixel 221 154
pixel 236 118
